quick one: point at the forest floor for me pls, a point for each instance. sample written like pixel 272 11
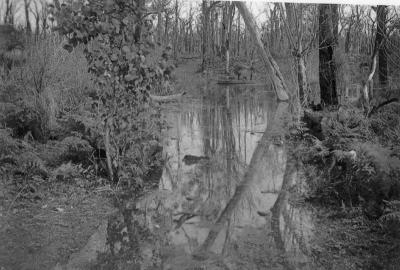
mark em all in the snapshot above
pixel 44 225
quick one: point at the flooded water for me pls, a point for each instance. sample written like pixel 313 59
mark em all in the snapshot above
pixel 224 196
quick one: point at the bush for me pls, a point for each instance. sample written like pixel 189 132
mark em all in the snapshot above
pixel 50 81
pixel 356 160
pixel 119 60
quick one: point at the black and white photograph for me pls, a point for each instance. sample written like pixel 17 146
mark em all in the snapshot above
pixel 199 135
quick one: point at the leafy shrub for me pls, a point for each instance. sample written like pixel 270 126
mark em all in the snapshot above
pixel 117 41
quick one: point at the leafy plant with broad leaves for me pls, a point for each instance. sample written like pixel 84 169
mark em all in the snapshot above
pixel 118 38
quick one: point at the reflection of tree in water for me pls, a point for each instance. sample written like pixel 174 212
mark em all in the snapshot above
pixel 213 190
pixel 226 119
pixel 249 176
pixel 288 235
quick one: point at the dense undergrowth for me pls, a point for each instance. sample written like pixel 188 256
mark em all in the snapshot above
pixel 352 161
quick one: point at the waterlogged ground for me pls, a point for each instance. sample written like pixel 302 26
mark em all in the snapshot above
pixel 224 199
pixel 226 187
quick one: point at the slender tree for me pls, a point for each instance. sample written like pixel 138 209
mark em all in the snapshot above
pixel 176 30
pixel 327 44
pixel 27 20
pixel 298 44
pixel 381 32
pixel 228 35
pixel 206 18
pixel 9 12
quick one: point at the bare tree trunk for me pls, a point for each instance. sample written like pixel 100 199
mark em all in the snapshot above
pixel 107 144
pixel 166 36
pixel 191 38
pixel 28 22
pixel 213 34
pixel 190 30
pixel 37 21
pixel 295 40
pixel 217 33
pixel 270 64
pixel 302 79
pixel 367 90
pixel 381 39
pixel 159 26
pixel 206 19
pixel 42 13
pixel 327 78
pixel 369 82
pixel 273 28
pixel 224 27
pixel 335 23
pixel 9 13
pixel 245 46
pixel 36 14
pixel 238 35
pixel 231 14
pixel 138 27
pixel 347 42
pixel 176 30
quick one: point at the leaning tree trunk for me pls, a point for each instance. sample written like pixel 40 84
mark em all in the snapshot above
pixel 270 64
pixel 382 53
pixel 327 44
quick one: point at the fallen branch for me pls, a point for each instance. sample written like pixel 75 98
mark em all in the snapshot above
pixel 376 108
pixel 167 98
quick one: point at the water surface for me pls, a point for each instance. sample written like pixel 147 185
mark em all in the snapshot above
pixel 224 198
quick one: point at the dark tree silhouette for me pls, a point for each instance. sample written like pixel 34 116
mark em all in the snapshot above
pixel 327 43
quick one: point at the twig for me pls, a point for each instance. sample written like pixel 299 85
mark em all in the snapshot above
pixel 15 199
